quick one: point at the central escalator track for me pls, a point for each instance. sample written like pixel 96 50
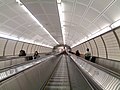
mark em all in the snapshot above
pixel 67 76
pixel 59 80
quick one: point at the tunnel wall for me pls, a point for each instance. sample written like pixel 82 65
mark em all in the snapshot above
pixel 12 47
pixel 105 46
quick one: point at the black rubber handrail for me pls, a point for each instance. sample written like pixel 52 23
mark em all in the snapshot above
pixel 16 57
pixel 16 65
pixel 108 59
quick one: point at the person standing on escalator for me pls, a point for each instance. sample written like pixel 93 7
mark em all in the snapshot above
pixel 36 55
pixel 77 53
pixel 87 55
pixel 22 53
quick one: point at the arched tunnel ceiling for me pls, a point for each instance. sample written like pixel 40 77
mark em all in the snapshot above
pixel 81 19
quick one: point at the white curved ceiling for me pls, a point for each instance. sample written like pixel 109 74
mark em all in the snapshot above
pixel 82 18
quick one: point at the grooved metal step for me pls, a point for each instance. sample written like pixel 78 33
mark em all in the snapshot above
pixel 59 79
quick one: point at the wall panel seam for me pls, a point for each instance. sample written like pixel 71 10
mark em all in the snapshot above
pixel 15 47
pixel 5 47
pixel 27 47
pixel 105 47
pixel 90 47
pixel 96 47
pixel 117 39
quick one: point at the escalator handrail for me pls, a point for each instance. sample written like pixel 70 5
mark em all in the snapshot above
pixel 92 84
pixel 12 58
pixel 93 73
pixel 107 70
pixel 34 62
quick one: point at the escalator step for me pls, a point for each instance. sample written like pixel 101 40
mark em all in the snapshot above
pixel 57 88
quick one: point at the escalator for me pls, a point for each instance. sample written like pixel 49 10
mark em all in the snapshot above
pixel 60 77
pixel 59 72
pixel 66 77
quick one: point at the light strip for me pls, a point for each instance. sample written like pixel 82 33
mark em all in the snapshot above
pixel 43 45
pixel 81 41
pixel 61 15
pixel 20 3
pixel 115 24
pixel 99 32
pixel 33 42
pixel 106 29
pixel 8 37
pixel 22 40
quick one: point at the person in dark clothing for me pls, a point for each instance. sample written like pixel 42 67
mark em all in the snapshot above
pixel 36 55
pixel 22 53
pixel 71 52
pixel 77 53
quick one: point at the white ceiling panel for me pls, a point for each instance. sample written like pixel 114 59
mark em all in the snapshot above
pixel 6 30
pixel 28 19
pixel 67 16
pixel 52 19
pixel 86 2
pixel 3 19
pixel 92 28
pixel 19 19
pixel 117 3
pixel 81 19
pixel 7 1
pixel 113 13
pixel 21 29
pixel 5 10
pixel 50 8
pixel 1 3
pixel 91 14
pixel 85 23
pixel 76 20
pixel 35 8
pixel 16 33
pixel 100 5
pixel 11 24
pixel 67 5
pixel 79 9
pixel 42 18
pixel 16 8
pixel 68 0
pixel 102 22
pixel 86 16
pixel 47 15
